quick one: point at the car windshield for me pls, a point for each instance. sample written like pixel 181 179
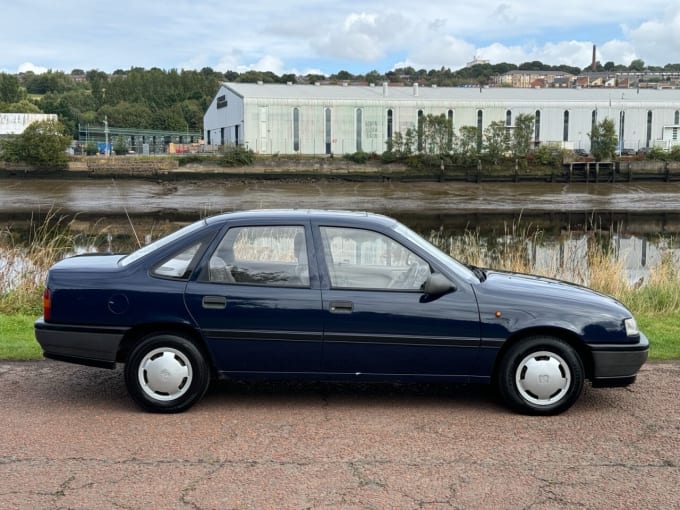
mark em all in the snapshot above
pixel 158 244
pixel 434 251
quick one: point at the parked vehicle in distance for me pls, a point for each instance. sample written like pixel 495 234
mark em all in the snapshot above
pixel 333 296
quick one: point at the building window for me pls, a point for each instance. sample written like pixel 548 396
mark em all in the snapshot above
pixel 390 124
pixel 649 127
pixel 421 127
pixel 593 120
pixel 508 118
pixel 359 124
pixel 480 123
pixel 565 134
pixel 327 129
pixel 296 129
pixel 677 117
pixel 622 129
pixel 450 128
pixel 537 127
pixel 675 133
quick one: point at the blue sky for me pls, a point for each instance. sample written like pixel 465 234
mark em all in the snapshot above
pixel 328 36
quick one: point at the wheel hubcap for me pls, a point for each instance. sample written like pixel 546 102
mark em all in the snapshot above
pixel 543 378
pixel 165 374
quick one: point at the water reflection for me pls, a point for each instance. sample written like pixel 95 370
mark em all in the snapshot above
pixel 545 247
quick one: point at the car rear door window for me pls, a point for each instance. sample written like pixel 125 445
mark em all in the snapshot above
pixel 261 255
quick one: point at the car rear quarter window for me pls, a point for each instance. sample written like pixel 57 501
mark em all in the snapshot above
pixel 178 265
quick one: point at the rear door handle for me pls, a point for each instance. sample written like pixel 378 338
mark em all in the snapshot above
pixel 342 307
pixel 214 302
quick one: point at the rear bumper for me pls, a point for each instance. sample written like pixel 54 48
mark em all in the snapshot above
pixel 85 345
pixel 618 365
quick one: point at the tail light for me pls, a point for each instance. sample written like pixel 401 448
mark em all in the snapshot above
pixel 47 305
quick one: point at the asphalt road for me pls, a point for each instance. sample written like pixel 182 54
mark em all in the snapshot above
pixel 71 438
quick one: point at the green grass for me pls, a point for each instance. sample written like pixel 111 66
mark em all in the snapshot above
pixel 17 341
pixel 663 332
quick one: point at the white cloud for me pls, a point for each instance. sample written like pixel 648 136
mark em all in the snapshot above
pixel 29 67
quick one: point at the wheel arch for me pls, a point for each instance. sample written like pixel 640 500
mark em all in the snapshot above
pixel 572 339
pixel 135 334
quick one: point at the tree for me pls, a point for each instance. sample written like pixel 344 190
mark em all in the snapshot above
pixel 496 141
pixel 522 135
pixel 10 90
pixel 467 144
pixel 603 140
pixel 42 144
pixel 637 65
pixel 437 135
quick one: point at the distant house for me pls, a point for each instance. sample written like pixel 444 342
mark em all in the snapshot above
pixel 528 79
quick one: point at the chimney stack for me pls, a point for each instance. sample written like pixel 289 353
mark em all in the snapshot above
pixel 594 64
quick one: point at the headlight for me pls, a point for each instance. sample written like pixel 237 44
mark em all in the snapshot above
pixel 631 327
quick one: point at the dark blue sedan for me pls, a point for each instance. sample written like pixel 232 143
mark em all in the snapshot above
pixel 334 296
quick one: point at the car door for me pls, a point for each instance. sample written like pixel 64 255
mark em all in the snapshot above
pixel 376 321
pixel 257 301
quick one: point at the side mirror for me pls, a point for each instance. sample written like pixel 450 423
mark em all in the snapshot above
pixel 436 286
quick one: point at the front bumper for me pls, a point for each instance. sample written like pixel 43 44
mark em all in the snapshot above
pixel 618 365
pixel 84 345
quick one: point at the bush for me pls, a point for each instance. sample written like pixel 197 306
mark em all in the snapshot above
pixel 120 147
pixel 91 149
pixel 237 155
pixel 675 153
pixel 358 157
pixel 42 144
pixel 657 154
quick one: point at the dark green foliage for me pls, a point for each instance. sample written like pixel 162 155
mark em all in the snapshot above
pixel 674 153
pixel 358 157
pixel 237 155
pixel 10 89
pixel 603 140
pixel 42 144
pixel 657 154
pixel 120 147
pixel 547 156
pixel 91 148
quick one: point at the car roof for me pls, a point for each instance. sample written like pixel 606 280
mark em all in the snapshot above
pixel 350 217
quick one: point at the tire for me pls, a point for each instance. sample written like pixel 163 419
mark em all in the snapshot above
pixel 166 373
pixel 540 376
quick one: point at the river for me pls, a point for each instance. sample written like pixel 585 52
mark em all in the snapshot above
pixel 641 218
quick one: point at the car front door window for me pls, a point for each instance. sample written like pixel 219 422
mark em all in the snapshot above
pixel 363 259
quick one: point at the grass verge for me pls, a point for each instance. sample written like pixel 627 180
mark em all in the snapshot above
pixel 17 341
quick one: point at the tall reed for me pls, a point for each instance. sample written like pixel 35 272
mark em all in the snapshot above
pixel 23 266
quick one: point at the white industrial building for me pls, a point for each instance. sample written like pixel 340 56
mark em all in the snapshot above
pixel 16 123
pixel 337 119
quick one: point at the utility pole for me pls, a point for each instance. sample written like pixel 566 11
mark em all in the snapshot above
pixel 106 135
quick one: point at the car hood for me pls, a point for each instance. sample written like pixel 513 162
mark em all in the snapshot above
pixel 510 302
pixel 550 291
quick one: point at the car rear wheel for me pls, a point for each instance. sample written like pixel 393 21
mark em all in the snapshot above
pixel 540 375
pixel 166 373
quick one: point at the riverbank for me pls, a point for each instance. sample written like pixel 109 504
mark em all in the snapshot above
pixel 174 168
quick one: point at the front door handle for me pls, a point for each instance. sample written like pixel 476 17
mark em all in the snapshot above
pixel 342 307
pixel 214 302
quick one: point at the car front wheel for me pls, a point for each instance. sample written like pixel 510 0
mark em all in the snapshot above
pixel 540 375
pixel 166 373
